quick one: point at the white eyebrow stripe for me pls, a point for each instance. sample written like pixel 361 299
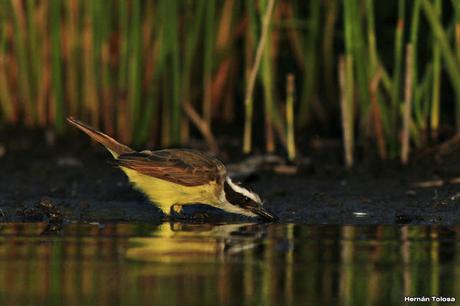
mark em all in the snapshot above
pixel 243 191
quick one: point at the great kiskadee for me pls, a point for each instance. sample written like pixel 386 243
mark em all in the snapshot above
pixel 172 178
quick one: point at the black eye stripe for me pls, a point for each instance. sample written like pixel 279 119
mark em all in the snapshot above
pixel 237 198
pixel 233 196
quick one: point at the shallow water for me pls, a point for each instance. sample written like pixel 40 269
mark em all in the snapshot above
pixel 243 264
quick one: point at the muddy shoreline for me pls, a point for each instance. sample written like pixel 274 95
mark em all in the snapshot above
pixel 78 180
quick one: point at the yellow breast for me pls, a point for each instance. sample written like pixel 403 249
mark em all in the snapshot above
pixel 165 194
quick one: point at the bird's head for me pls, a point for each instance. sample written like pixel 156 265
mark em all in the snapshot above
pixel 244 201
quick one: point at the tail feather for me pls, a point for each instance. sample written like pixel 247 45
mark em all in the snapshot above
pixel 108 142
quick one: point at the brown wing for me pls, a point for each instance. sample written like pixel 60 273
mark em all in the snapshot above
pixel 181 166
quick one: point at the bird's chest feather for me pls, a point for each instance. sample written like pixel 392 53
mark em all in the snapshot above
pixel 165 193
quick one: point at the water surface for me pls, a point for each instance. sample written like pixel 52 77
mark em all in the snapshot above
pixel 242 264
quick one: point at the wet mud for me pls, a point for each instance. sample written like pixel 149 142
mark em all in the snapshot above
pixel 71 180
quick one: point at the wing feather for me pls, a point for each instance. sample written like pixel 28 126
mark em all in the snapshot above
pixel 181 166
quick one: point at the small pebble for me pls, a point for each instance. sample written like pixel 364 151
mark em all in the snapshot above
pixel 285 169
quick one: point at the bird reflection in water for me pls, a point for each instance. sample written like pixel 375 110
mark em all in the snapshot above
pixel 179 242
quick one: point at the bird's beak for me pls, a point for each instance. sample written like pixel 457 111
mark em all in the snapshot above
pixel 262 212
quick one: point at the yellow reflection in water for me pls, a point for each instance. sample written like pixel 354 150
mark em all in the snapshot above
pixel 228 264
pixel 177 242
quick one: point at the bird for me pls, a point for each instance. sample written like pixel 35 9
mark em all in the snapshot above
pixel 174 178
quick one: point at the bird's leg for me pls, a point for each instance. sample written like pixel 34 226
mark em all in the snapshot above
pixel 176 212
pixel 177 209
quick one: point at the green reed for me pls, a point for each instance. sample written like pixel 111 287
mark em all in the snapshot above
pixel 456 6
pixel 209 41
pixel 268 88
pixel 452 64
pixel 397 64
pixel 419 114
pixel 261 53
pixel 407 107
pixel 5 96
pixel 290 133
pixel 20 45
pixel 311 55
pixel 172 38
pixel 55 14
pixel 250 36
pixel 436 90
pixel 346 80
pixel 195 20
pixel 161 71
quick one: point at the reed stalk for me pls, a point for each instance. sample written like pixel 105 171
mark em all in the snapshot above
pixel 5 96
pixel 20 46
pixel 293 30
pixel 378 75
pixel 91 107
pixel 331 16
pixel 151 114
pixel 72 44
pixel 377 113
pixel 436 91
pixel 359 52
pixel 134 89
pixel 310 62
pixel 123 30
pixel 225 70
pixel 138 67
pixel 172 38
pixel 102 58
pixel 422 99
pixel 249 40
pixel 248 102
pixel 166 112
pixel 33 54
pixel 397 69
pixel 451 64
pixel 290 93
pixel 456 5
pixel 191 42
pixel 268 90
pixel 414 33
pixel 371 38
pixel 56 65
pixel 346 104
pixel 405 138
pixel 124 131
pixel 209 39
pixel 346 78
pixel 44 87
pixel 203 127
pixel 374 58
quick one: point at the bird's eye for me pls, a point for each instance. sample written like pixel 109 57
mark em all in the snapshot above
pixel 246 200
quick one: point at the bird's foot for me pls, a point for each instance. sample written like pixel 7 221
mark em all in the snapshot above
pixel 177 209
